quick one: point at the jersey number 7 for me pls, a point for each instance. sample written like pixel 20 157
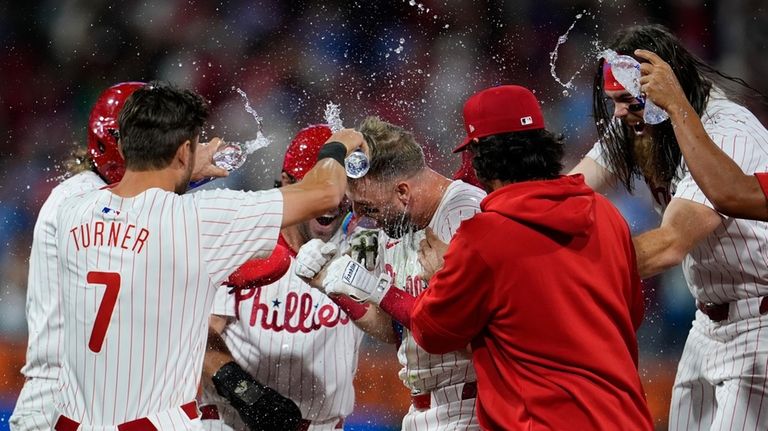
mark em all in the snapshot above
pixel 112 281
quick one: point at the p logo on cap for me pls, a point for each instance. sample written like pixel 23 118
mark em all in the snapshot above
pixel 502 109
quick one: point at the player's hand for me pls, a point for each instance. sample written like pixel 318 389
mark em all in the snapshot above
pixel 352 140
pixel 313 256
pixel 261 272
pixel 364 247
pixel 204 166
pixel 659 83
pixel 431 252
pixel 344 276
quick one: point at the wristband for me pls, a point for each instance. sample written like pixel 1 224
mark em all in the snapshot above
pixel 355 310
pixel 335 150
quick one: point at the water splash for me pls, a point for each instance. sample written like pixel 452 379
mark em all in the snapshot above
pixel 553 57
pixel 333 117
pixel 261 141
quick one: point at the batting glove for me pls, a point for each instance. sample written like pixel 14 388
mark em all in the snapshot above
pixel 344 276
pixel 364 247
pixel 313 256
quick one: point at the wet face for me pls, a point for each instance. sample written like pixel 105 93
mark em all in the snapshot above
pixel 325 226
pixel 628 109
pixel 381 203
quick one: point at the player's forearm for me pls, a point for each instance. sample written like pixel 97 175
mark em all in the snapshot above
pixel 319 192
pixel 656 251
pixel 377 324
pixel 398 304
pixel 216 355
pixel 730 190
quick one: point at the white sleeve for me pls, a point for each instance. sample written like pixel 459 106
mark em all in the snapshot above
pixel 736 143
pixel 462 204
pixel 223 302
pixel 597 153
pixel 236 226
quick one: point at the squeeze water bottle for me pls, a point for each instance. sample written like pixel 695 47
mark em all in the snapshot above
pixel 229 156
pixel 626 70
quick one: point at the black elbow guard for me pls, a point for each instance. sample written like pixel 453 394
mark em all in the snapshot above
pixel 260 407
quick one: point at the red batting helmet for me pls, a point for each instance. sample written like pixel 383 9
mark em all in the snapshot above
pixel 102 130
pixel 301 154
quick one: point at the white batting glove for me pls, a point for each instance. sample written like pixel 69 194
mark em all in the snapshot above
pixel 313 256
pixel 344 276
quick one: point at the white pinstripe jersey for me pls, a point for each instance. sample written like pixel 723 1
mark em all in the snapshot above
pixel 43 312
pixel 138 280
pixel 295 340
pixel 732 262
pixel 422 371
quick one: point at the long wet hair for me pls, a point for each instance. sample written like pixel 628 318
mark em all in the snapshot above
pixel 695 77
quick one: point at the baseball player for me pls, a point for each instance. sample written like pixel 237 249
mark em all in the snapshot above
pixel 139 263
pixel 404 197
pixel 100 163
pixel 721 378
pixel 288 336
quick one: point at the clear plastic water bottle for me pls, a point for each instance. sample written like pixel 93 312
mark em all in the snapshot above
pixel 626 70
pixel 229 156
pixel 356 164
pixel 653 114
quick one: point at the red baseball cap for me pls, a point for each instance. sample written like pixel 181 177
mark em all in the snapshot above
pixel 302 152
pixel 502 109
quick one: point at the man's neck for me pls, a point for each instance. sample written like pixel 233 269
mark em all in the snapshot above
pixel 430 187
pixel 136 182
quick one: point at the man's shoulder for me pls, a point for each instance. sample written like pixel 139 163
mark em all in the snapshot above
pixel 79 183
pixel 722 114
pixel 459 191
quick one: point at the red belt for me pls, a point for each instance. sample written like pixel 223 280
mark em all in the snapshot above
pixel 719 312
pixel 424 401
pixel 210 411
pixel 142 424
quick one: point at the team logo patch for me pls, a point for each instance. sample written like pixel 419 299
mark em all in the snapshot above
pixel 526 121
pixel 471 128
pixel 110 211
pixel 349 272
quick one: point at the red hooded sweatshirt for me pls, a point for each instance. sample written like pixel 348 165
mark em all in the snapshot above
pixel 543 284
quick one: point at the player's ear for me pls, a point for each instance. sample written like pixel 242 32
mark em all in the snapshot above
pixel 403 190
pixel 286 179
pixel 184 154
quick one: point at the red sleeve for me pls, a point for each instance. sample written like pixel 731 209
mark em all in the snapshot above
pixel 457 304
pixel 762 178
pixel 398 304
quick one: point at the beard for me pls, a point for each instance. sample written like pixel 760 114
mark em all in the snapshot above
pixel 183 185
pixel 397 226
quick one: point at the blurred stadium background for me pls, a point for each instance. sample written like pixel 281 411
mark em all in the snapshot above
pixel 411 62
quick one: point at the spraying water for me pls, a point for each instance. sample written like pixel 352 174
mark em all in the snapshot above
pixel 356 164
pixel 333 117
pixel 261 141
pixel 232 155
pixel 553 58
